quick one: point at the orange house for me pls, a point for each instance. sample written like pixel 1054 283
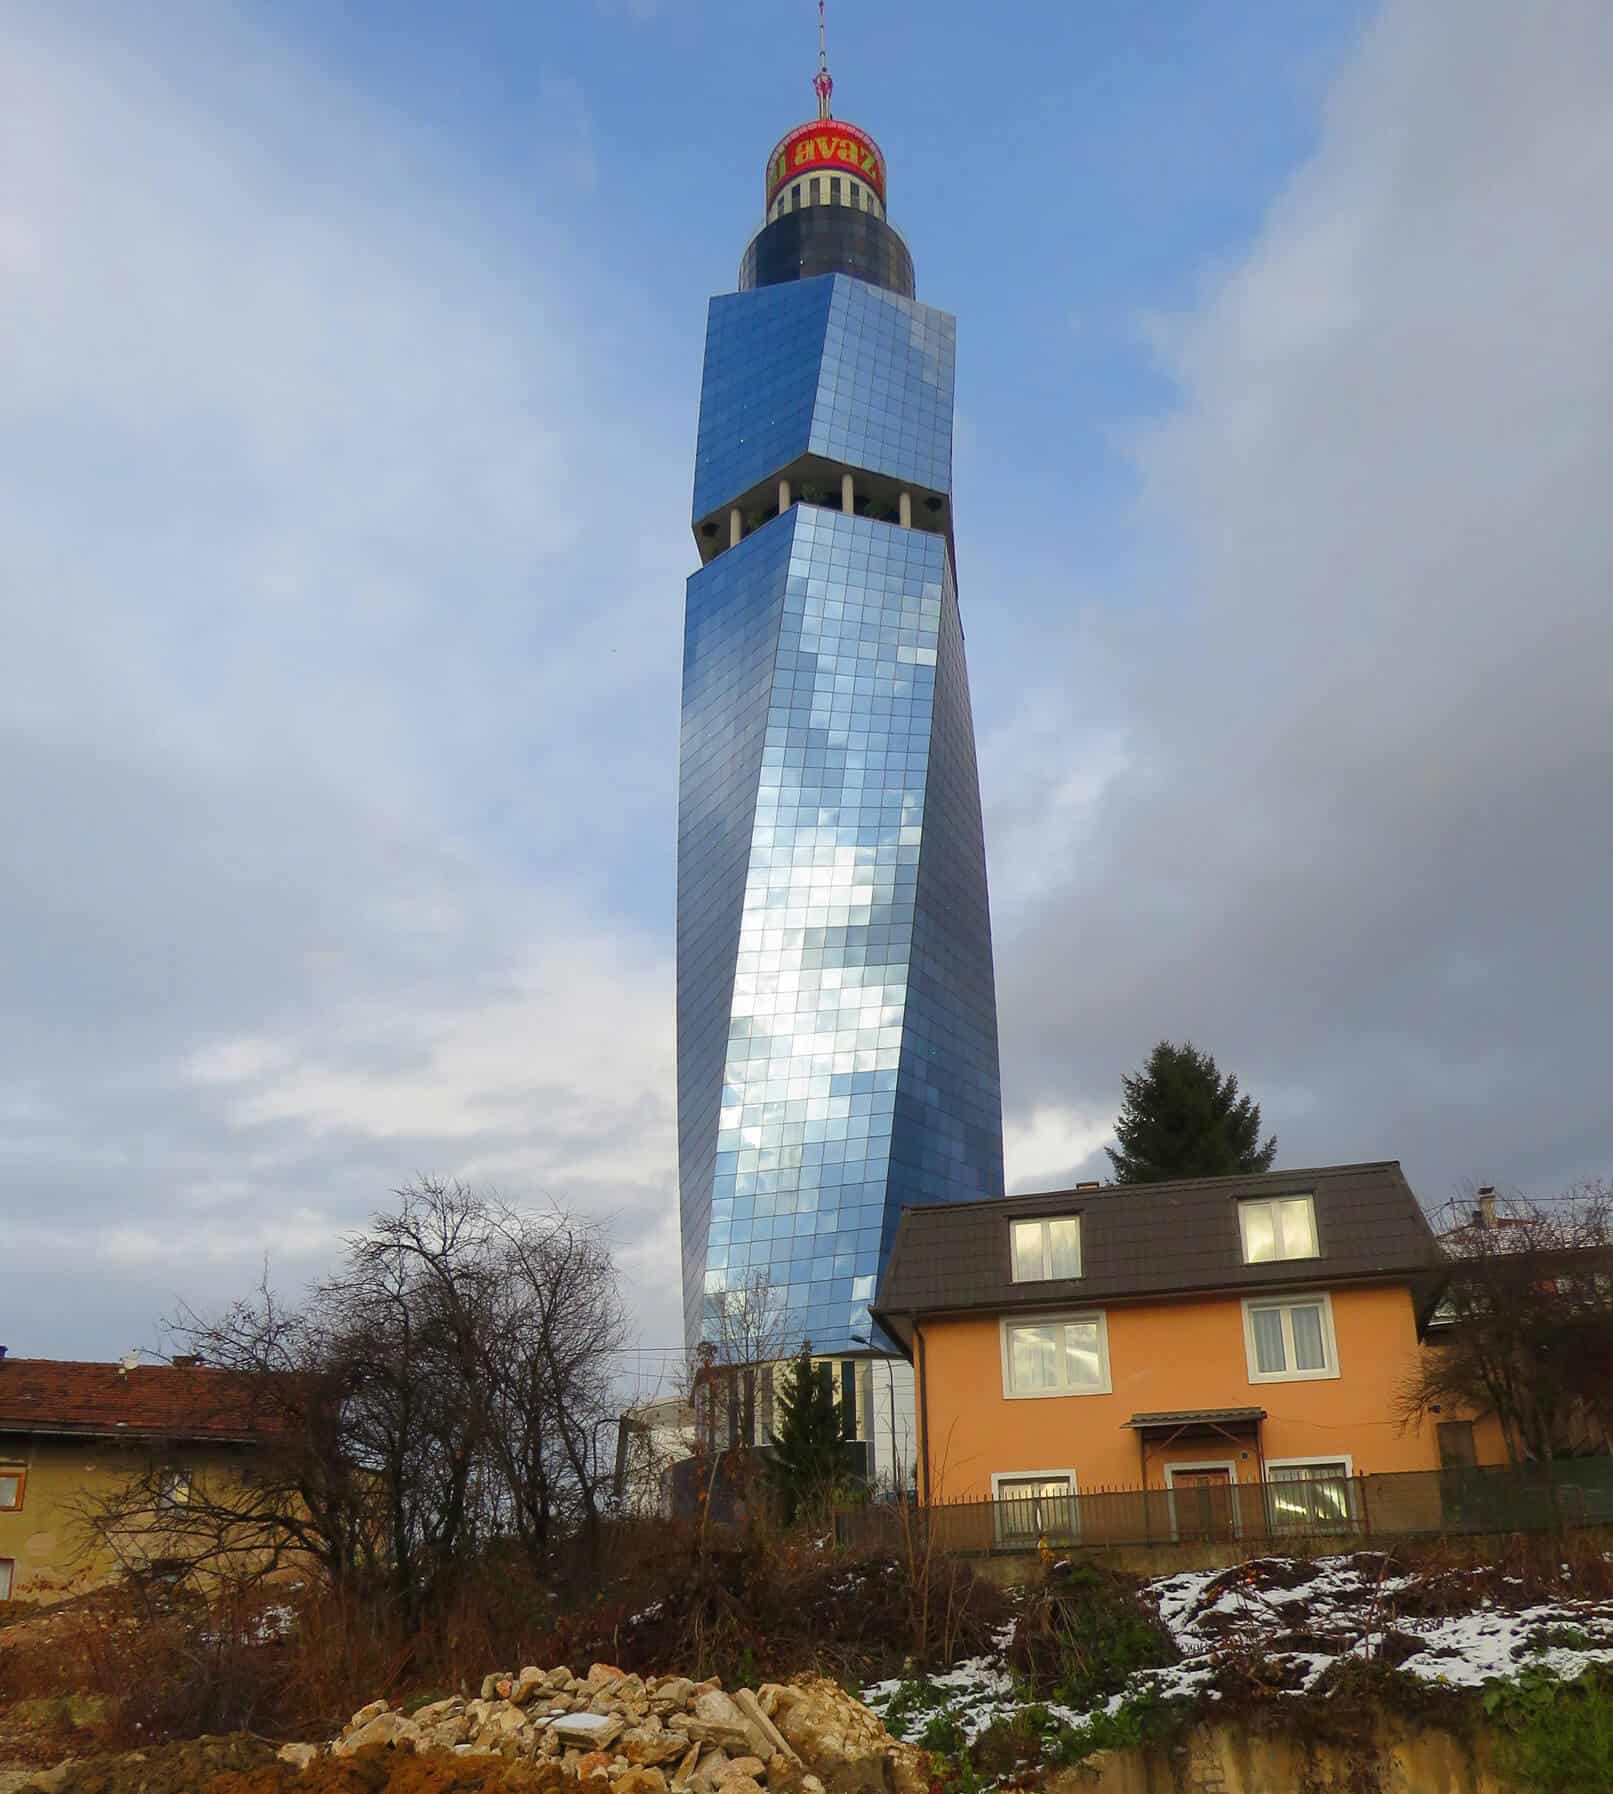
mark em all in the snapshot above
pixel 1206 1333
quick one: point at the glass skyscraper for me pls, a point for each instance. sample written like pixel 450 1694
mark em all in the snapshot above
pixel 837 1020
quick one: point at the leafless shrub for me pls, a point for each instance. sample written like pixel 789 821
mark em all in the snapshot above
pixel 1526 1323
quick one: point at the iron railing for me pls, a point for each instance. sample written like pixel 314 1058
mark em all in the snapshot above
pixel 1401 1504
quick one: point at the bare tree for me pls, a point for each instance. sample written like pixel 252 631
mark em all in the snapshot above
pixel 561 1326
pixel 446 1387
pixel 732 1379
pixel 411 1320
pixel 1525 1327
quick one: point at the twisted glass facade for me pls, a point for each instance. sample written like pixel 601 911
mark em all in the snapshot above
pixel 837 1033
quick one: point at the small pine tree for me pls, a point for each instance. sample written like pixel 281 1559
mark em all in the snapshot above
pixel 809 1452
pixel 1181 1118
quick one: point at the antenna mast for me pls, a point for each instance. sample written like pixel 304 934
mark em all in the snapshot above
pixel 823 85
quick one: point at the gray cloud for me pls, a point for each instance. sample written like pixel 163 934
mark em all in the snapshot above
pixel 1343 814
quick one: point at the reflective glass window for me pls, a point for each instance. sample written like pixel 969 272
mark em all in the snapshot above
pixel 1309 1497
pixel 1290 1339
pixel 1056 1356
pixel 1044 1249
pixel 1278 1228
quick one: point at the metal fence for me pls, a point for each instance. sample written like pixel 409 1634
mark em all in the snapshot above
pixel 1403 1504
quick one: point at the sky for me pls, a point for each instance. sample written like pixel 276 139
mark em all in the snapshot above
pixel 349 366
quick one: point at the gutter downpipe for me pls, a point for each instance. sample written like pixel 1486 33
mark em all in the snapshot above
pixel 924 1409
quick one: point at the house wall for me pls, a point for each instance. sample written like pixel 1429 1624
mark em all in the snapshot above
pixel 1489 1439
pixel 42 1541
pixel 1166 1357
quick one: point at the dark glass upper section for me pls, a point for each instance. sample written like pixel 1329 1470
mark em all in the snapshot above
pixel 829 367
pixel 827 239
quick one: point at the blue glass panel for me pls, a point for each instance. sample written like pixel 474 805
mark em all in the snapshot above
pixel 837 1025
pixel 763 350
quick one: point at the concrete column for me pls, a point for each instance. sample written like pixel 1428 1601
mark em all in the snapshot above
pixel 783 497
pixel 904 510
pixel 848 498
pixel 736 527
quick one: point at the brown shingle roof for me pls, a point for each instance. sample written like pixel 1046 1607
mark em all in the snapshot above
pixel 60 1396
pixel 1165 1239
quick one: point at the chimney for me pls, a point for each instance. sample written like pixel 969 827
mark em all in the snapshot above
pixel 1484 1214
pixel 188 1361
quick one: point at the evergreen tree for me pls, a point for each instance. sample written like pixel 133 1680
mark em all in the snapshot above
pixel 809 1453
pixel 1181 1118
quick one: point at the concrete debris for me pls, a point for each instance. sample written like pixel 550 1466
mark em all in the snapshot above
pixel 612 1732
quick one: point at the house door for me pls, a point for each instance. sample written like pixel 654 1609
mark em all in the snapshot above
pixel 1202 1500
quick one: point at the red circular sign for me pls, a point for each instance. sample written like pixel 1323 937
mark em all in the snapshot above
pixel 829 143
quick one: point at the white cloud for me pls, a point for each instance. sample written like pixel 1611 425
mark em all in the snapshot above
pixel 319 613
pixel 1047 1147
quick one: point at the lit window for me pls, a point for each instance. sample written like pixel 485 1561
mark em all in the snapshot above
pixel 1035 1507
pixel 173 1489
pixel 1059 1355
pixel 1309 1495
pixel 1291 1340
pixel 12 1479
pixel 1045 1249
pixel 1284 1227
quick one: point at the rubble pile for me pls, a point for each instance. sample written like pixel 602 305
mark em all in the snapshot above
pixel 609 1732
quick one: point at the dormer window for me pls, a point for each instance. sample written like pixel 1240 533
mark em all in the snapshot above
pixel 1047 1249
pixel 1281 1227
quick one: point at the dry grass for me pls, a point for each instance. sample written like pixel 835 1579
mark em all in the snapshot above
pixel 742 1607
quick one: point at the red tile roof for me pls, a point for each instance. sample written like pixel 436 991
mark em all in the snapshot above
pixel 50 1395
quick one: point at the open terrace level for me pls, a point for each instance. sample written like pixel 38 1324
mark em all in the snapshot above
pixel 813 480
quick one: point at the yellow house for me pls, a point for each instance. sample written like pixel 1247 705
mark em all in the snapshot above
pixel 70 1432
pixel 1201 1335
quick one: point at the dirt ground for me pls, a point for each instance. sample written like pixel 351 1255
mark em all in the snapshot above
pixel 244 1764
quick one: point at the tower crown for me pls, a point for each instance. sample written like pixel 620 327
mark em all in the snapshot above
pixel 825 162
pixel 824 197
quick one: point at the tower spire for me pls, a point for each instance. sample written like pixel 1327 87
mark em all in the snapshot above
pixel 823 84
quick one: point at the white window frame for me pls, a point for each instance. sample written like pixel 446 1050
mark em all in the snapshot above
pixel 999 1477
pixel 1328 1457
pixel 1245 1203
pixel 1044 1221
pixel 1007 1322
pixel 174 1489
pixel 1298 1299
pixel 20 1472
pixel 1234 1506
